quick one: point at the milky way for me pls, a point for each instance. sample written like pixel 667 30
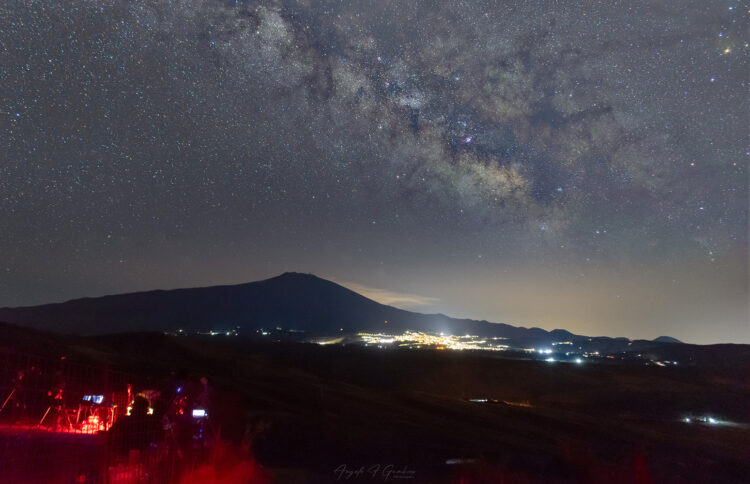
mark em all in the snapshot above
pixel 413 145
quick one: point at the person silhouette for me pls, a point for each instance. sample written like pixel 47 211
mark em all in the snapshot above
pixel 138 431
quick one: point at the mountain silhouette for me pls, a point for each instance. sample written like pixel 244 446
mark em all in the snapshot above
pixel 666 339
pixel 292 301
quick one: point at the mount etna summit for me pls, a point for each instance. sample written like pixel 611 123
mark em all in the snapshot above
pixel 299 302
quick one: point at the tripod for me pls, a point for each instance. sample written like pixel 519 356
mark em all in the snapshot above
pixel 61 414
pixel 8 399
pixel 17 407
pixel 58 404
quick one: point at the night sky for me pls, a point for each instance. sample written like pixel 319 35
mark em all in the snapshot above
pixel 577 165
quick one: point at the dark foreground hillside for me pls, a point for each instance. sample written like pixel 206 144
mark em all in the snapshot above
pixel 309 413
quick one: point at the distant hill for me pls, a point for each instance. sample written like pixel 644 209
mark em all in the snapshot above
pixel 292 301
pixel 666 339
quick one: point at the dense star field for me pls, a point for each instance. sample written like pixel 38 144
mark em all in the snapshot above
pixel 560 164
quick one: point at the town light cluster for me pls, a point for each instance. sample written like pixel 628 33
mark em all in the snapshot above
pixel 418 339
